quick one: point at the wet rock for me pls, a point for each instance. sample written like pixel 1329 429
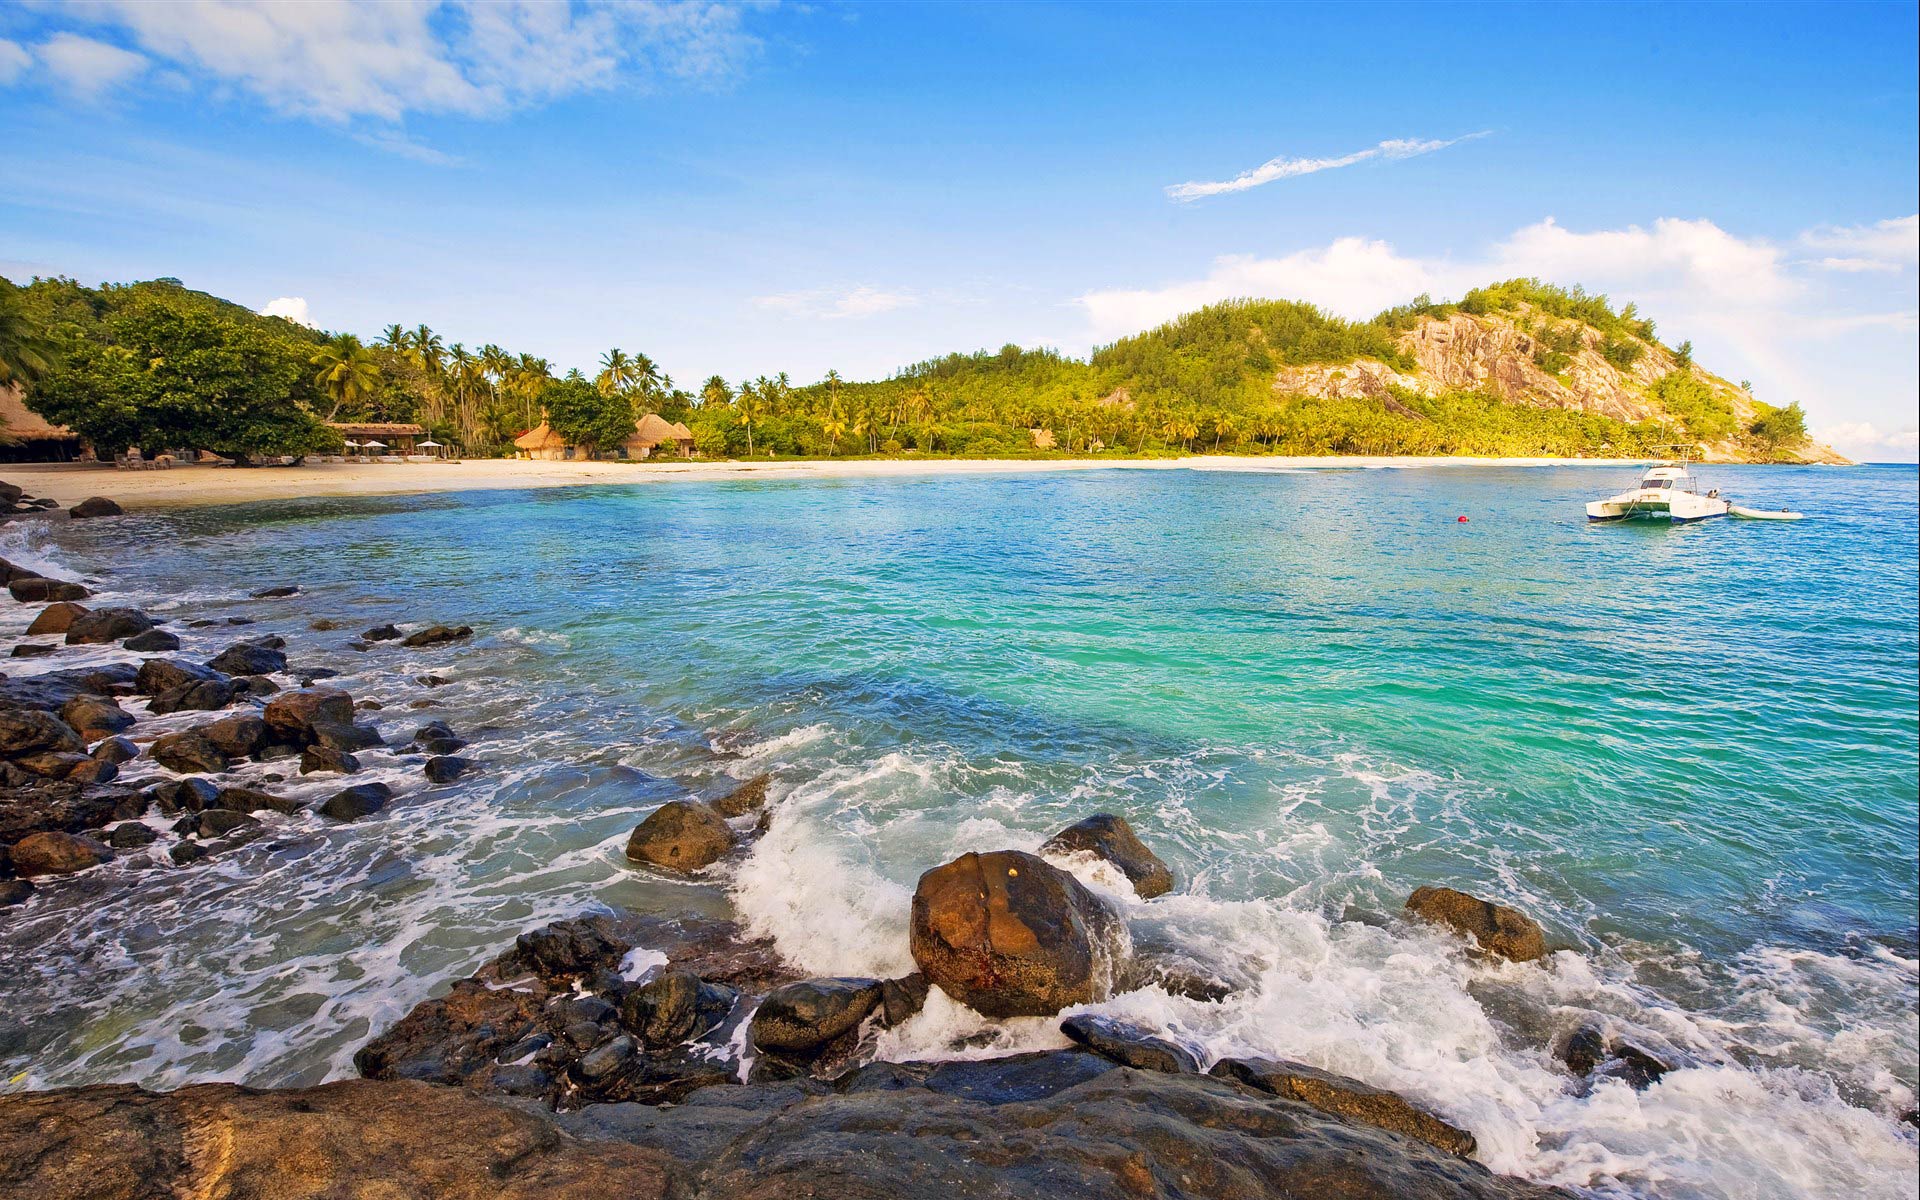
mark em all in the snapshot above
pixel 56 618
pixel 153 641
pixel 902 999
pixel 205 696
pixel 1009 934
pixel 95 717
pixel 213 823
pixel 249 800
pixel 254 685
pixel 1110 837
pixel 1498 930
pixel 382 633
pixel 1128 1045
pixel 1584 1049
pixel 605 1060
pixel 131 835
pixel 32 589
pixel 33 650
pixel 440 746
pixel 802 1021
pixel 749 797
pixel 353 803
pixel 1633 1066
pixel 236 736
pixel 344 735
pixel 187 852
pixel 239 620
pixel 316 760
pixel 29 731
pixel 104 625
pixel 1348 1098
pixel 116 750
pixel 248 658
pixel 188 751
pixel 323 625
pixel 183 795
pixel 14 891
pixel 436 635
pixel 157 675
pixel 433 731
pixel 93 770
pixel 94 506
pixel 53 852
pixel 680 835
pixel 674 1007
pixel 445 768
pixel 51 764
pixel 568 952
pixel 432 681
pixel 290 716
pixel 275 593
pixel 451 1038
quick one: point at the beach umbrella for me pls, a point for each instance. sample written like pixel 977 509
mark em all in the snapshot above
pixel 429 442
pixel 353 444
pixel 373 445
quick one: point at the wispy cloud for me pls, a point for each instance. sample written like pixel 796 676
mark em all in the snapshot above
pixel 293 308
pixel 1292 168
pixel 863 300
pixel 1890 245
pixel 14 60
pixel 87 66
pixel 395 141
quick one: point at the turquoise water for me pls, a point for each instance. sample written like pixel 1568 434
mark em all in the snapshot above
pixel 1690 751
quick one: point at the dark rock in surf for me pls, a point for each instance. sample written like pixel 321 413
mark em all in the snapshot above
pixel 353 803
pixel 1111 838
pixel 94 506
pixel 445 768
pixel 1009 934
pixel 323 625
pixel 344 736
pixel 157 675
pixel 749 797
pixel 902 999
pixel 1584 1049
pixel 51 764
pixel 14 891
pixel 57 618
pixel 1633 1066
pixel 214 823
pixel 153 641
pixel 291 716
pixel 248 658
pixel 680 835
pixel 801 1021
pixel 95 717
pixel 131 835
pixel 382 633
pixel 318 760
pixel 26 731
pixel 251 800
pixel 209 695
pixel 237 736
pixel 93 770
pixel 104 625
pixel 188 751
pixel 33 650
pixel 116 750
pixel 1128 1045
pixel 254 685
pixel 1496 929
pixel 275 593
pixel 1348 1098
pixel 54 852
pixel 436 635
pixel 183 795
pixel 32 589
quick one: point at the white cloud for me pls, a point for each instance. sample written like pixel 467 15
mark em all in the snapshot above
pixel 395 141
pixel 88 66
pixel 1884 246
pixel 1864 441
pixel 337 61
pixel 293 308
pixel 14 60
pixel 1291 168
pixel 835 304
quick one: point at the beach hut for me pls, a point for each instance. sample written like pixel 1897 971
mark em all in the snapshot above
pixel 26 436
pixel 543 443
pixel 653 431
pixel 397 435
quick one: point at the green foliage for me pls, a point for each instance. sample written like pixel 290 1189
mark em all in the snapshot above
pixel 1622 352
pixel 586 415
pixel 1705 415
pixel 1683 355
pixel 1572 304
pixel 158 366
pixel 27 353
pixel 1776 429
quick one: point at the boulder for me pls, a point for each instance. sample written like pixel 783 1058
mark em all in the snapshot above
pixel 435 635
pixel 1111 838
pixel 275 593
pixel 56 853
pixel 188 751
pixel 382 633
pixel 95 717
pixel 57 618
pixel 236 736
pixel 323 625
pixel 51 764
pixel 445 768
pixel 680 835
pixel 1128 1045
pixel 254 685
pixel 248 658
pixel 1011 935
pixel 251 800
pixel 183 795
pixel 153 641
pixel 1584 1049
pixel 902 999
pixel 1347 1098
pixel 103 625
pixel 33 650
pixel 1498 930
pixel 1633 1066
pixel 26 731
pixel 32 589
pixel 749 797
pixel 800 1021
pixel 674 1007
pixel 14 891
pixel 319 760
pixel 290 716
pixel 93 770
pixel 201 696
pixel 187 852
pixel 157 675
pixel 94 506
pixel 344 735
pixel 360 800
pixel 116 750
pixel 131 835
pixel 213 823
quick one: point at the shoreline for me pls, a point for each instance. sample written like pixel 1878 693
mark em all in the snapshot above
pixel 197 485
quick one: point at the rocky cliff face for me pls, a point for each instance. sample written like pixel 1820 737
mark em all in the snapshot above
pixel 1495 353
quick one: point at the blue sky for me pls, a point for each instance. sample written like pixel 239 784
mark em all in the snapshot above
pixel 788 187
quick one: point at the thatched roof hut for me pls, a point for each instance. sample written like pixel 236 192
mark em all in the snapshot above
pixel 541 442
pixel 397 436
pixel 654 430
pixel 26 436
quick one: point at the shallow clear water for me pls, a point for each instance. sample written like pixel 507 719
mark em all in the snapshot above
pixel 1691 752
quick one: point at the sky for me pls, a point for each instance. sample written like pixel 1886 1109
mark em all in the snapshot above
pixel 747 189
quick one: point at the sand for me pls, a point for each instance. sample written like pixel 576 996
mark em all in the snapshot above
pixel 181 486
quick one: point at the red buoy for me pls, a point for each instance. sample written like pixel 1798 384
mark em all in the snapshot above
pixel 1462 520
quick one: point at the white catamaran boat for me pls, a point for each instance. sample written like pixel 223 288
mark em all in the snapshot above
pixel 1666 491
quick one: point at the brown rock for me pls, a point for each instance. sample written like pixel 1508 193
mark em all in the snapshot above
pixel 750 796
pixel 104 625
pixel 188 751
pixel 1497 929
pixel 1011 935
pixel 1347 1098
pixel 236 736
pixel 56 617
pixel 290 716
pixel 435 635
pixel 680 835
pixel 95 717
pixel 94 506
pixel 56 853
pixel 30 731
pixel 1111 838
pixel 33 589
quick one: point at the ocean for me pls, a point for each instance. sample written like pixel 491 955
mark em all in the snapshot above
pixel 1690 752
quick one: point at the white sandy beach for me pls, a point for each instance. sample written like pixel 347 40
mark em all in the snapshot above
pixel 195 485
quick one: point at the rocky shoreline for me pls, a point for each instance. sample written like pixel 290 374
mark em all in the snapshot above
pixel 616 1053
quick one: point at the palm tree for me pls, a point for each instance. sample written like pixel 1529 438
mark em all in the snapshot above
pixel 428 349
pixel 346 371
pixel 835 427
pixel 617 372
pixel 748 410
pixel 394 338
pixel 715 392
pixel 26 352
